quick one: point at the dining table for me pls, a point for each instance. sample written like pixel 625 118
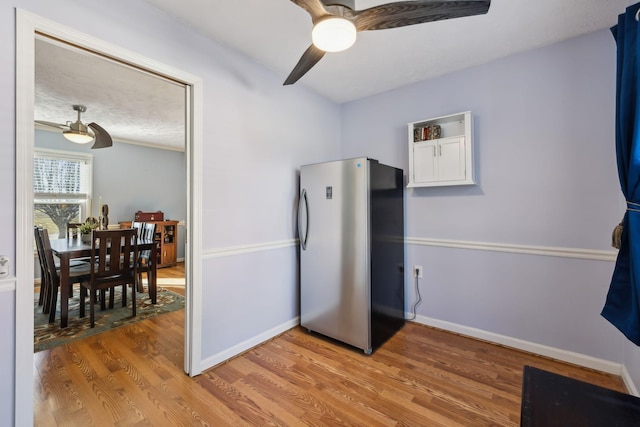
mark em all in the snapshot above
pixel 73 248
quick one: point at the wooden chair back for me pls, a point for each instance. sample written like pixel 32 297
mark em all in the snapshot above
pixel 72 230
pixel 148 234
pixel 138 226
pixel 114 262
pixel 145 263
pixel 50 275
pixel 43 298
pixel 113 253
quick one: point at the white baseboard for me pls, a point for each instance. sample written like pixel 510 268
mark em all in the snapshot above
pixel 223 356
pixel 542 350
pixel 628 382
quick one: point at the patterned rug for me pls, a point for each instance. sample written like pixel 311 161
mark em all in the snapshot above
pixel 47 336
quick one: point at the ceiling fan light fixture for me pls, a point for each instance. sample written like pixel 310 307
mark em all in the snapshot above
pixel 334 34
pixel 78 133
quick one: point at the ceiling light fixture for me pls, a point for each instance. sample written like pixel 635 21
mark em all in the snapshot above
pixel 334 34
pixel 78 132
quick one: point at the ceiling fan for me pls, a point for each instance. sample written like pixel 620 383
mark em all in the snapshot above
pixel 336 22
pixel 80 133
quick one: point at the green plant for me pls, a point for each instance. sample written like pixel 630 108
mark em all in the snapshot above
pixel 87 227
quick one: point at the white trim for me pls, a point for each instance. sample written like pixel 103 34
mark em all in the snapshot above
pixel 591 254
pixel 193 229
pixel 27 24
pixel 62 154
pixel 237 349
pixel 542 350
pixel 247 249
pixel 628 382
pixel 8 284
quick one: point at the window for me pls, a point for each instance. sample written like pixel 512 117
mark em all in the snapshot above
pixel 61 189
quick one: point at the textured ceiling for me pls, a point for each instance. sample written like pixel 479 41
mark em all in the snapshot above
pixel 135 106
pixel 132 105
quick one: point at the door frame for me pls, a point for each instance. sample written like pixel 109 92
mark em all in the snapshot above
pixel 27 25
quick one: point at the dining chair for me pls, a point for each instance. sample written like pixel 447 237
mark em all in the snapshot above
pixel 113 263
pixel 44 281
pixel 145 263
pixel 72 231
pixel 77 273
pixel 138 226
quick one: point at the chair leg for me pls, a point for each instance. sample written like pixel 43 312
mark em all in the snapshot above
pixel 152 288
pixel 83 295
pixel 42 288
pixel 46 296
pixel 103 296
pixel 133 298
pixel 92 308
pixel 124 295
pixel 139 282
pixel 53 302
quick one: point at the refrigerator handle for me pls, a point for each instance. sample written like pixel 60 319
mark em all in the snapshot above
pixel 303 240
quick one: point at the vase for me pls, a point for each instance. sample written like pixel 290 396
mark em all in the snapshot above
pixel 86 238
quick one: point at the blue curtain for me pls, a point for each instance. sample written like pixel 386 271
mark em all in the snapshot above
pixel 622 307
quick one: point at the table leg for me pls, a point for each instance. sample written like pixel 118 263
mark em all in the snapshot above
pixel 153 283
pixel 64 290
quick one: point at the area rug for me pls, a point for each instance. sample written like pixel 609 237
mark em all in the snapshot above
pixel 51 335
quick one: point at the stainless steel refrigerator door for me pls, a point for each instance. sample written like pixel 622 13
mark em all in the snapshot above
pixel 335 293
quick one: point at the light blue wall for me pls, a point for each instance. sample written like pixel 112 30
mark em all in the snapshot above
pixel 544 133
pixel 132 178
pixel 544 136
pixel 256 134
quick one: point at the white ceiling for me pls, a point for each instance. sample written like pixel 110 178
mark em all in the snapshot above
pixel 275 33
pixel 135 106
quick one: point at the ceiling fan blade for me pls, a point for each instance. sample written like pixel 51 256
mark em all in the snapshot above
pixel 102 137
pixel 52 124
pixel 401 14
pixel 315 8
pixel 310 57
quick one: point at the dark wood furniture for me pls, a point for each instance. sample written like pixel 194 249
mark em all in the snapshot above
pixel 167 238
pixel 72 231
pixel 53 278
pixel 145 261
pixel 114 262
pixel 550 400
pixel 138 226
pixel 69 249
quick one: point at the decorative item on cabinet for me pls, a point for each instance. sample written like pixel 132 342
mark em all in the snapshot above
pixel 149 216
pixel 441 151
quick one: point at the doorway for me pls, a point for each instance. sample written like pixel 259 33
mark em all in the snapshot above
pixel 28 26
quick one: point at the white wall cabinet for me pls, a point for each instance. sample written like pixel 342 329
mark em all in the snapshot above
pixel 447 159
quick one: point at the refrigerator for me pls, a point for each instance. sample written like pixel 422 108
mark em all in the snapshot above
pixel 351 231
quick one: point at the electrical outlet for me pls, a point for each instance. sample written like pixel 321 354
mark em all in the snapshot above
pixel 417 271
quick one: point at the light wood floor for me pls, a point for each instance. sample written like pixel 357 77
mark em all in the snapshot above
pixel 421 377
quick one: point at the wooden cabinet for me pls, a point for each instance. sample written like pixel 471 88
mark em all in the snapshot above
pixel 167 238
pixel 441 151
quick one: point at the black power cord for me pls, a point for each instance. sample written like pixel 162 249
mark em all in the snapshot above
pixel 419 297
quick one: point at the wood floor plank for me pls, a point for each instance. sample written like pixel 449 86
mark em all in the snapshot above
pixel 133 376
